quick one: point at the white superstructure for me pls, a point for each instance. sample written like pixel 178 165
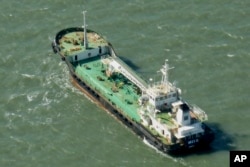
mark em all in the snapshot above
pixel 162 94
pixel 161 107
pixel 163 111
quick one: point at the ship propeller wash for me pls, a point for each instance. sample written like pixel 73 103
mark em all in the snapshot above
pixel 154 111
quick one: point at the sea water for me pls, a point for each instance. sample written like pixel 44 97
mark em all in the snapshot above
pixel 46 121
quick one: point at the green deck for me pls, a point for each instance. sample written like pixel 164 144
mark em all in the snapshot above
pixel 119 91
pixel 72 43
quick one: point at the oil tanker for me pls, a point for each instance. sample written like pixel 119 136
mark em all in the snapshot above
pixel 154 111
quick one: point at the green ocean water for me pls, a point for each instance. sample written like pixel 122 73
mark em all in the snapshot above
pixel 46 122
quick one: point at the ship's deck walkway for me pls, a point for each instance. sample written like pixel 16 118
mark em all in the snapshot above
pixel 131 75
pixel 119 91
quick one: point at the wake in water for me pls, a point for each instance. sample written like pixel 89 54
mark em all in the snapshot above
pixel 177 160
pixel 28 76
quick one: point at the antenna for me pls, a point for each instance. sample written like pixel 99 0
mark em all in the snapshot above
pixel 164 71
pixel 151 82
pixel 85 40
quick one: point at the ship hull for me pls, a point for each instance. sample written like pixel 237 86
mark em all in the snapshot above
pixel 136 127
pixel 139 129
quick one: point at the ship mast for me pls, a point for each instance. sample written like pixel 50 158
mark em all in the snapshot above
pixel 164 80
pixel 85 41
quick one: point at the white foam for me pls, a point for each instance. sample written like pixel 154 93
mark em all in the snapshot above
pixel 157 151
pixel 32 96
pixel 159 27
pixel 177 160
pixel 14 96
pixel 46 8
pixel 218 45
pixel 230 55
pixel 179 56
pixel 49 120
pixel 28 75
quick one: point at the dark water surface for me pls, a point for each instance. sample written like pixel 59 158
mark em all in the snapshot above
pixel 47 122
